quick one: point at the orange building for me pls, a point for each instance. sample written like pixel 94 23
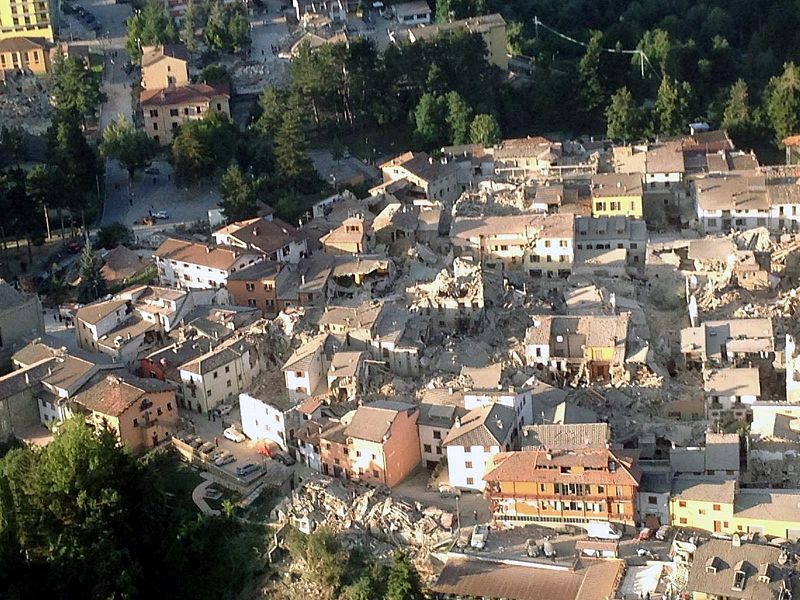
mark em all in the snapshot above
pixel 378 444
pixel 574 486
pixel 142 412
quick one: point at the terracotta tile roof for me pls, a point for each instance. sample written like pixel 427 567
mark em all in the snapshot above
pixel 21 44
pixel 121 263
pixel 535 466
pixel 97 311
pixel 489 425
pixel 472 578
pixel 301 359
pixel 198 254
pixel 114 394
pixel 372 422
pixel 194 92
pixel 616 184
pixel 264 235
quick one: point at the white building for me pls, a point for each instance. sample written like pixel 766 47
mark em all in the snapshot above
pixel 305 371
pixel 434 424
pixel 272 238
pixel 487 388
pixel 267 414
pixel 473 440
pixel 731 390
pixel 190 265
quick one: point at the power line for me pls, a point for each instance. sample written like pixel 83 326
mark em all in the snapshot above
pixel 642 56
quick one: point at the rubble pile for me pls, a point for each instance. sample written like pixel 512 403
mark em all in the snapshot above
pixel 349 507
pixel 253 76
pixel 498 200
pixel 25 101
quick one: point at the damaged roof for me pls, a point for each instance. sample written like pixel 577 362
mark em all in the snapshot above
pixel 490 425
pixel 535 226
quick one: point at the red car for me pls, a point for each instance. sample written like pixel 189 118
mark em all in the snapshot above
pixel 74 245
pixel 645 534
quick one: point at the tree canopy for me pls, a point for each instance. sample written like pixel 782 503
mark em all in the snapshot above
pixel 132 147
pixel 76 87
pixel 151 26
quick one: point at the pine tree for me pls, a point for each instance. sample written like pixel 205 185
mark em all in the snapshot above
pixel 404 583
pixel 92 285
pixel 132 147
pixel 429 117
pixel 189 28
pixel 737 109
pixel 621 116
pixel 592 94
pixel 485 130
pixel 238 200
pixel 459 117
pixel 782 96
pixel 294 166
pixel 672 106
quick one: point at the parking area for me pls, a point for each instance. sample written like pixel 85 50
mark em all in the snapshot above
pixel 243 453
pixel 155 191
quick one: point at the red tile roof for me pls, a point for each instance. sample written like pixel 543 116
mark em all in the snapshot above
pixel 193 92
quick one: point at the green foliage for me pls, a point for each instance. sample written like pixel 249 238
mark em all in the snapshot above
pixel 294 166
pixel 271 104
pixel 782 100
pixel 151 26
pixel 116 234
pixel 622 117
pixel 737 108
pixel 227 28
pixel 404 583
pixel 238 199
pixel 76 87
pixel 215 74
pixel 592 94
pixel 672 107
pixel 73 161
pixel 12 149
pixel 429 118
pixel 656 46
pixel 459 117
pixel 92 285
pixel 448 10
pixel 485 130
pixel 203 146
pixel 82 518
pixel 191 21
pixel 132 147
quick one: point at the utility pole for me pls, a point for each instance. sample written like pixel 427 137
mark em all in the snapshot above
pixel 47 223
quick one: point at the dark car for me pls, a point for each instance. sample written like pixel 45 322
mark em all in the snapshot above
pixel 74 245
pixel 286 459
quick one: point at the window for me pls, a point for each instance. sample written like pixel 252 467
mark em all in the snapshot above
pixel 250 287
pixel 174 124
pixel 173 112
pixel 228 383
pixel 427 447
pixel 437 435
pixel 153 113
pixel 159 411
pixel 470 481
pixel 717 507
pixel 652 500
pixel 468 464
pixel 251 302
pixel 136 422
pixel 682 503
pixel 439 450
pixel 375 473
pixel 228 369
pixel 298 373
pixel 682 520
pixel 701 511
pixel 219 106
pixel 216 374
pixel 155 126
pixel 547 243
pixel 169 406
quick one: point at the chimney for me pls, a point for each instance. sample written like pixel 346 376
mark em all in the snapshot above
pixel 27 379
pixel 255 230
pixel 457 423
pixel 549 455
pixel 208 250
pixel 303 279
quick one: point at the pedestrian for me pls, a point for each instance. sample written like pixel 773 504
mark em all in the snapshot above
pixel 154 180
pixel 475 515
pixel 216 441
pixel 131 200
pixel 55 317
pixel 214 417
pixel 209 415
pixel 262 52
pixel 150 212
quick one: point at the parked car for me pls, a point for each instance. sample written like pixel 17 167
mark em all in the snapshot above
pixel 645 534
pixel 151 170
pixel 162 214
pixel 234 435
pixel 247 470
pixel 602 530
pixel 479 534
pixel 286 459
pixel 224 458
pixel 448 491
pixel 222 410
pixel 663 532
pixel 75 245
pixel 207 448
pixel 197 442
pixel 532 549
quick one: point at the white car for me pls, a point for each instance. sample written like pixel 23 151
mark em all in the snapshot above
pixel 234 435
pixel 479 534
pixel 223 409
pixel 162 214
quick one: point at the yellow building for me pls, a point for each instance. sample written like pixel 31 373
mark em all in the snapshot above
pixel 617 194
pixel 28 18
pixel 24 54
pixel 492 28
pixel 719 506
pixel 164 66
pixel 165 109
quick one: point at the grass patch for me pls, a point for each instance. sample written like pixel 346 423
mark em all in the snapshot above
pixel 176 477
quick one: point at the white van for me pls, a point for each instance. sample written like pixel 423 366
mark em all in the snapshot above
pixel 603 530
